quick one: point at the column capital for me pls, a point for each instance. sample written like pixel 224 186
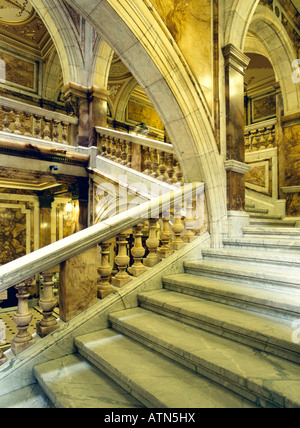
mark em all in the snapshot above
pixel 235 58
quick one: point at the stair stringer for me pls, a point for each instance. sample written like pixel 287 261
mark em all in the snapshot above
pixel 17 373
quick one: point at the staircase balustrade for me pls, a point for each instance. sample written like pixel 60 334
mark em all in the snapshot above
pixel 144 235
pixel 153 157
pixel 30 121
pixel 260 136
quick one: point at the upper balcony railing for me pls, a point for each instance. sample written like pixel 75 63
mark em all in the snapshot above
pixel 35 122
pixel 260 136
pixel 151 157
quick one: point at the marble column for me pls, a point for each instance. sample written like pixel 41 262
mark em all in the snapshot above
pixel 90 105
pixel 235 64
pixel 45 219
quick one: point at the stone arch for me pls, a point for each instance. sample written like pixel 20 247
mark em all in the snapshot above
pixel 101 64
pixel 144 46
pixel 270 32
pixel 54 17
pixel 238 15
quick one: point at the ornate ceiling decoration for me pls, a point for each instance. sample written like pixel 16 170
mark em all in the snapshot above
pixel 16 12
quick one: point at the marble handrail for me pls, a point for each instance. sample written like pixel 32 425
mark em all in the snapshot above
pixel 31 121
pixel 38 111
pixel 131 138
pixel 48 257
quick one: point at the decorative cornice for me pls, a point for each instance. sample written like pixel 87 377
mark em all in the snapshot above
pixel 235 166
pixel 235 58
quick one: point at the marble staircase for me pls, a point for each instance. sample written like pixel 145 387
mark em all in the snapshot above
pixel 221 334
pixel 262 217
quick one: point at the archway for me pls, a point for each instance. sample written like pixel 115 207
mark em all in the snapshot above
pixel 144 46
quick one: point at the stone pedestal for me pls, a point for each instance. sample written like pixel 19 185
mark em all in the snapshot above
pixel 78 284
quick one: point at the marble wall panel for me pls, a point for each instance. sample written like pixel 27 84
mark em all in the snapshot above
pixel 18 72
pixel 78 284
pixel 190 23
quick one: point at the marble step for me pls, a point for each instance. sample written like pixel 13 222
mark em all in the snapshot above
pixel 266 244
pixel 271 222
pixel 156 381
pixel 265 332
pixel 253 275
pixel 257 210
pixel 72 382
pixel 256 258
pixel 264 379
pixel 263 300
pixel 254 215
pixel 279 232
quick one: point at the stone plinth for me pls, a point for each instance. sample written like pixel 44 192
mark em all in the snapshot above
pixel 78 284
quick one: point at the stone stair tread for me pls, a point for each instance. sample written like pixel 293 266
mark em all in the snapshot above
pixel 264 242
pixel 274 276
pixel 251 326
pixel 155 379
pixel 250 256
pixel 283 232
pixel 272 378
pixel 72 382
pixel 241 292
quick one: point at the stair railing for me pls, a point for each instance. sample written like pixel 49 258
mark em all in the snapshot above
pixel 30 121
pixel 151 157
pixel 143 236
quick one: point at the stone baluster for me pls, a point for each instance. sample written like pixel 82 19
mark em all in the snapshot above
pixel 27 124
pixel 254 141
pixel 152 244
pixel 170 169
pixel 165 249
pixel 108 147
pixel 138 252
pixel 129 156
pixel 124 155
pixel 105 270
pixel 64 134
pixel 189 235
pixel 147 162
pixel 47 129
pixel 154 165
pixel 22 319
pixel 113 150
pixel 179 175
pixel 47 303
pixel 178 228
pixel 6 121
pixel 122 260
pixel 271 137
pixel 55 130
pixel 37 126
pixel 17 123
pixel 262 139
pixel 103 146
pixel 119 151
pixel 162 167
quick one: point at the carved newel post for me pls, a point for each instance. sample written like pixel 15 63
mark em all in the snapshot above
pixel 22 318
pixel 47 303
